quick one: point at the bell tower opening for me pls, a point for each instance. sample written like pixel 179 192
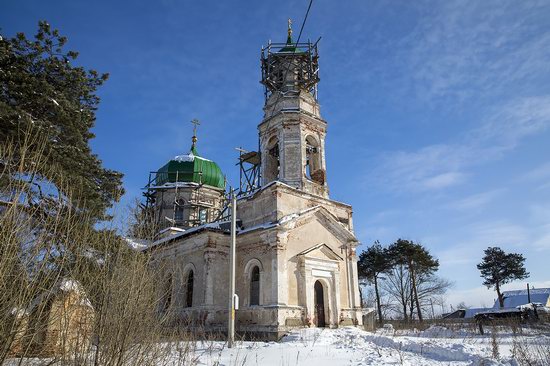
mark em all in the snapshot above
pixel 313 169
pixel 272 162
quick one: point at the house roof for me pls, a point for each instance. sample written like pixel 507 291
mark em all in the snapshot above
pixel 519 297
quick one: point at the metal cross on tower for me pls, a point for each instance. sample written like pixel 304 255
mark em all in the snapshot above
pixel 196 123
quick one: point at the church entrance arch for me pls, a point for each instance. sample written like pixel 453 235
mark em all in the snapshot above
pixel 319 304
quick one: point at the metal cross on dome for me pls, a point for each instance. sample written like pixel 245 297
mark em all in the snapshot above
pixel 196 123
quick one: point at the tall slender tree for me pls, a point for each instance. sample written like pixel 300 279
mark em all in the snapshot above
pixel 420 264
pixel 498 268
pixel 372 265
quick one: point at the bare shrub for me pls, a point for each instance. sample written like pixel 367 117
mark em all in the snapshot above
pixel 533 353
pixel 69 293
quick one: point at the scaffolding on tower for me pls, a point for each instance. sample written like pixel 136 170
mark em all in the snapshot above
pixel 249 171
pixel 278 59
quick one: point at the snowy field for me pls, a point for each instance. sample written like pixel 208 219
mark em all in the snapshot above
pixel 352 346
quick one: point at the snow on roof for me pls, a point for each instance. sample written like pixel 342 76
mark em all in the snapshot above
pixel 171 228
pixel 137 244
pixel 185 157
pixel 68 284
pixel 470 313
pixel 516 298
pixel 211 225
pixel 65 284
pixel 257 227
pixel 283 220
pixel 188 157
pixel 533 291
pixel 173 185
pixel 501 310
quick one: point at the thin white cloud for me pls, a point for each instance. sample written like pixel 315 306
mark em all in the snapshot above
pixel 491 54
pixel 476 201
pixel 541 172
pixel 466 49
pixel 445 165
pixel 543 242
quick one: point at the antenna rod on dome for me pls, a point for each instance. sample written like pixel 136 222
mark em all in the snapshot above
pixel 196 123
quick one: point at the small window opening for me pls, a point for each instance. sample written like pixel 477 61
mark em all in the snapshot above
pixel 271 172
pixel 189 290
pixel 255 286
pixel 167 296
pixel 178 212
pixel 203 216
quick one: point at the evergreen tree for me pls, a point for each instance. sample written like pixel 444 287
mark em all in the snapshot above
pixel 498 268
pixel 372 264
pixel 48 104
pixel 420 264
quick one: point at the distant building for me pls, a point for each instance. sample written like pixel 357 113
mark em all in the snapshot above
pixel 58 322
pixel 512 299
pixel 520 297
pixel 464 313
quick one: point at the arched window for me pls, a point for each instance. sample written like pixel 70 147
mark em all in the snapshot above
pixel 313 169
pixel 271 171
pixel 189 290
pixel 255 286
pixel 178 209
pixel 167 293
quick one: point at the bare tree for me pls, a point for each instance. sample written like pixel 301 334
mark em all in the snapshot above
pixel 397 284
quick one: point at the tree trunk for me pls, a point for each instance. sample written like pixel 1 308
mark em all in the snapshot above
pixel 380 320
pixel 411 297
pixel 500 299
pixel 402 293
pixel 413 275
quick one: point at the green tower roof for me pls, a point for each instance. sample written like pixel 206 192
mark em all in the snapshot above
pixel 191 168
pixel 290 46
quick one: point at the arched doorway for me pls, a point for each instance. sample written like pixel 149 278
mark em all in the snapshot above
pixel 319 304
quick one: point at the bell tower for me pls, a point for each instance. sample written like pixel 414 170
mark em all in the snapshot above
pixel 292 132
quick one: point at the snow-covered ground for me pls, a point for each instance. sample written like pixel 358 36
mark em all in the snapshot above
pixel 352 346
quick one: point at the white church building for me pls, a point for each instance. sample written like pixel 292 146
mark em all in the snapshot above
pixel 296 261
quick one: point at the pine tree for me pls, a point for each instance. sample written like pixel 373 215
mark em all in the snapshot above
pixel 372 264
pixel 420 265
pixel 498 268
pixel 49 104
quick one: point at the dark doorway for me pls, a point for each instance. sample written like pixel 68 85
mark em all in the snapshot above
pixel 319 304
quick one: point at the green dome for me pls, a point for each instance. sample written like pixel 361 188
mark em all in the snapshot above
pixel 191 168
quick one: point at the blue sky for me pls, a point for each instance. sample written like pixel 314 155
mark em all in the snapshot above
pixel 438 111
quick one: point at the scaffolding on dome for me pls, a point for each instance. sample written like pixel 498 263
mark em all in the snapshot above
pixel 197 203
